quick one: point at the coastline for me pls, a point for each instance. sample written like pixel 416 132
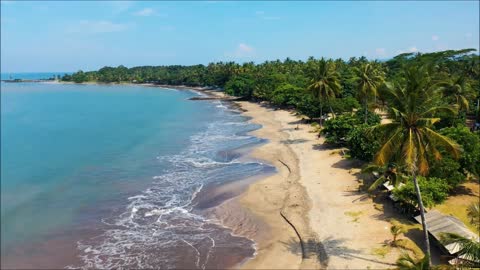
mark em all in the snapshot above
pixel 316 191
pixel 307 215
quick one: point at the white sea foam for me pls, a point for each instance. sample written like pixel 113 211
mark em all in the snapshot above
pixel 161 218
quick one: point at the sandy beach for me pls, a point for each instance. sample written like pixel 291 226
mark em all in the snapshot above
pixel 313 197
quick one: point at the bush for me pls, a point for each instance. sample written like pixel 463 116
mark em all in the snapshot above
pixel 363 145
pixel 372 118
pixel 349 129
pixel 240 86
pixel 341 105
pixel 309 106
pixel 434 191
pixel 286 95
pixel 337 129
pixel 449 169
pixel 470 142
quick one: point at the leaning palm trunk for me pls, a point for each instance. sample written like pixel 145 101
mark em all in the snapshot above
pixel 422 215
pixel 331 109
pixel 321 114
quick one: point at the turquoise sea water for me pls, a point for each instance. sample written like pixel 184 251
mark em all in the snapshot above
pixel 108 175
pixel 32 75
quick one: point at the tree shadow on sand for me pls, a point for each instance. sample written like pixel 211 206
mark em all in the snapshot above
pixel 323 250
pixel 295 141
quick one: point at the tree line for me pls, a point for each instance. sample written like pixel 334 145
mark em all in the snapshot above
pixel 429 104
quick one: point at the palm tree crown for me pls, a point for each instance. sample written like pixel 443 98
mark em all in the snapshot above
pixel 368 79
pixel 324 80
pixel 410 138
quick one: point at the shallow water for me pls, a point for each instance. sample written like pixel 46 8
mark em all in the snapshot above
pixel 106 176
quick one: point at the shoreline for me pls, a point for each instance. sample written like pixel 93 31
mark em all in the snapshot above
pixel 307 215
pixel 313 212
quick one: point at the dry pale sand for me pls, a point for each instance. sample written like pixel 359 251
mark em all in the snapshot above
pixel 316 190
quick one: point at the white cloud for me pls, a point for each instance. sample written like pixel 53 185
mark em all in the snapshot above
pixel 412 49
pixel 244 48
pixel 435 37
pixel 468 35
pixel 93 27
pixel 259 12
pixel 145 12
pixel 381 51
pixel 242 51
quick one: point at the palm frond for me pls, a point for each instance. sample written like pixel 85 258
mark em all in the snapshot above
pixel 468 248
pixel 450 145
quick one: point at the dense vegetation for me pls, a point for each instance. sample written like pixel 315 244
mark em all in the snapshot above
pixel 349 94
pixel 430 104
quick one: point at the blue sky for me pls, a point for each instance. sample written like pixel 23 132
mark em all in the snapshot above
pixel 68 36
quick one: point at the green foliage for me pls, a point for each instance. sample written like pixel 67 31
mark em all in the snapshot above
pixel 470 142
pixel 473 213
pixel 469 249
pixel 372 118
pixel 348 129
pixel 434 191
pixel 287 94
pixel 241 86
pixel 337 129
pixel 396 230
pixel 362 144
pixel 341 105
pixel 449 169
pixel 406 262
pixel 309 106
pixel 79 77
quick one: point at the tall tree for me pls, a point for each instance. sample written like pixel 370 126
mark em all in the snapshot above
pixel 410 140
pixel 324 81
pixel 459 89
pixel 368 79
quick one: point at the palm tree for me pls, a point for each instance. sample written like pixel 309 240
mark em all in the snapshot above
pixel 469 249
pixel 409 139
pixel 396 230
pixel 473 212
pixel 389 172
pixel 458 88
pixel 324 81
pixel 368 79
pixel 406 262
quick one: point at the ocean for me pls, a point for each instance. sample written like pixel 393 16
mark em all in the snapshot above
pixel 108 176
pixel 32 75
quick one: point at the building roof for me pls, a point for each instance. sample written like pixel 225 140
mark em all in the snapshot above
pixel 438 223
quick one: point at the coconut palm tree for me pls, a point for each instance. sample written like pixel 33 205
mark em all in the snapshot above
pixel 389 172
pixel 459 88
pixel 469 249
pixel 473 212
pixel 396 230
pixel 324 81
pixel 368 79
pixel 409 139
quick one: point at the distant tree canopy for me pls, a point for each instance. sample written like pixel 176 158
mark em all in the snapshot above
pixel 289 82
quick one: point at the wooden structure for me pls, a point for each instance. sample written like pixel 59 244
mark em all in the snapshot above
pixel 439 223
